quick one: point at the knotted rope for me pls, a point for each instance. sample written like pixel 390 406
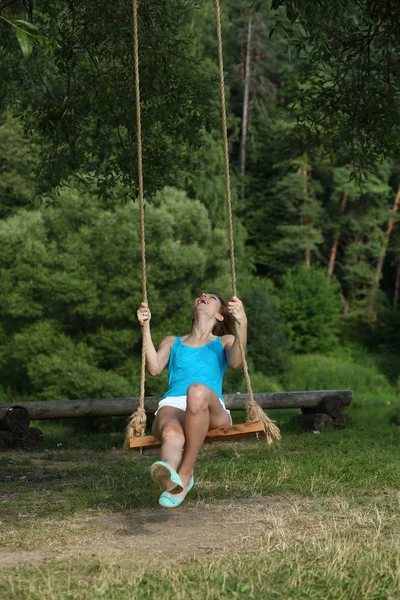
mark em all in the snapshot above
pixel 137 424
pixel 254 411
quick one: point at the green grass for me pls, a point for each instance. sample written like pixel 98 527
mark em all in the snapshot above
pixel 330 528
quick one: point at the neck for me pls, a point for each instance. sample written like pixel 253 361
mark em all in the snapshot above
pixel 202 328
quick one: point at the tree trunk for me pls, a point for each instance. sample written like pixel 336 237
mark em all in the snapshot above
pixel 332 259
pixel 242 152
pixel 396 287
pixel 378 272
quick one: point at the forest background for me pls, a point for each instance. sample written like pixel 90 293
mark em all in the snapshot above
pixel 315 182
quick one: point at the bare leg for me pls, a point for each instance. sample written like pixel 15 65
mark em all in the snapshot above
pixel 203 411
pixel 168 428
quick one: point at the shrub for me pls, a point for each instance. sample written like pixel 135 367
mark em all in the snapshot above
pixel 268 343
pixel 310 308
pixel 315 372
pixel 395 418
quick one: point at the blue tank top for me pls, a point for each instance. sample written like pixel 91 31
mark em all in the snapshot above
pixel 187 365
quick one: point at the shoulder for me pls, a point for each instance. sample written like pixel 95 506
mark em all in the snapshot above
pixel 227 341
pixel 168 341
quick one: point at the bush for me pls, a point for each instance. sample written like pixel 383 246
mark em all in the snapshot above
pixel 268 343
pixel 71 285
pixel 235 382
pixel 310 308
pixel 395 418
pixel 315 372
pixel 260 384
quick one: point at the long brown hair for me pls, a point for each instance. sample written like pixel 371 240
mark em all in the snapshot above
pixel 227 326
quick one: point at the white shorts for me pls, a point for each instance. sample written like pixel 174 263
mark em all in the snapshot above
pixel 180 402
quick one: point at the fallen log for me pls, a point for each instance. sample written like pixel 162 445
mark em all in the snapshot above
pixel 343 420
pixel 29 439
pixel 13 418
pixel 116 407
pixel 331 405
pixel 314 421
pixel 5 439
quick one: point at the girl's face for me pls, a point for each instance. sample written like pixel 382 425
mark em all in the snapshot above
pixel 208 303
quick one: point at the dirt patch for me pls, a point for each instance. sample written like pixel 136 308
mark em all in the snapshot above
pixel 191 531
pixel 196 530
pixel 202 529
pixel 17 558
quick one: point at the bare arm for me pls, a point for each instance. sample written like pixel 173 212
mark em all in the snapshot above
pixel 231 343
pixel 156 360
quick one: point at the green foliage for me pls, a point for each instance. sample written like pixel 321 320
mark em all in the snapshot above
pixel 16 156
pixel 74 90
pixel 260 383
pixel 347 57
pixel 268 345
pixel 300 235
pixel 310 308
pixel 316 372
pixel 364 233
pixel 80 96
pixel 395 418
pixel 71 286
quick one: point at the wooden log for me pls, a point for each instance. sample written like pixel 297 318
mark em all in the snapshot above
pixel 28 439
pixel 331 405
pixel 5 438
pixel 314 421
pixel 227 433
pixel 114 407
pixel 342 420
pixel 15 417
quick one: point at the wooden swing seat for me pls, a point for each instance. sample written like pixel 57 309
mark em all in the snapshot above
pixel 220 434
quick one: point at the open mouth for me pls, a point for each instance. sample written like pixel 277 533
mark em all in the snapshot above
pixel 201 301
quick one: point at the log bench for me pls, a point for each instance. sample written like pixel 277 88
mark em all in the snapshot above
pixel 318 408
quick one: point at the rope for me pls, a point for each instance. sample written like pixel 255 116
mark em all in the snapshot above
pixel 254 411
pixel 137 423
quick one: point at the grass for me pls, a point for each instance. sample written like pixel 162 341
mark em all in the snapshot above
pixel 315 517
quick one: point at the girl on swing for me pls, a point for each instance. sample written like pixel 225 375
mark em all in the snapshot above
pixel 193 403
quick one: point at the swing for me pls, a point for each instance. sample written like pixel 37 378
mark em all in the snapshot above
pixel 257 421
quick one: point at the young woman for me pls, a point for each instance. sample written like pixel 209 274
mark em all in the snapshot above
pixel 193 403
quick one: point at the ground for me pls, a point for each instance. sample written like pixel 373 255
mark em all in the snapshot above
pixel 314 517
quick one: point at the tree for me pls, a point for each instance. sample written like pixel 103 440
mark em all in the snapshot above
pixel 349 61
pixel 16 182
pixel 344 191
pixel 365 238
pixel 71 285
pixel 381 259
pixel 80 98
pixel 269 345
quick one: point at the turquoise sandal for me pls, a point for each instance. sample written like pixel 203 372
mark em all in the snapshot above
pixel 169 501
pixel 166 477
